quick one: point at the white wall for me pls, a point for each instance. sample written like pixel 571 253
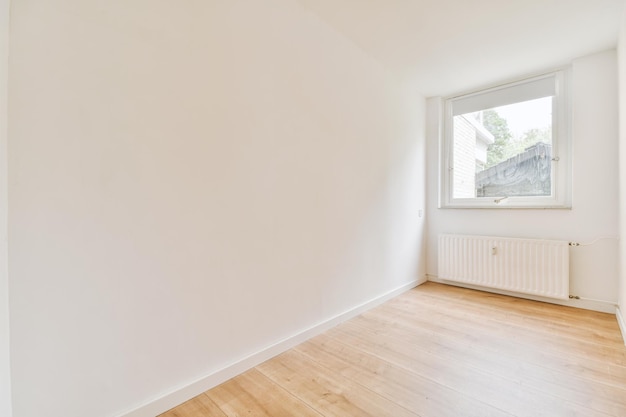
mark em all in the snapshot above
pixel 189 184
pixel 5 380
pixel 622 174
pixel 595 189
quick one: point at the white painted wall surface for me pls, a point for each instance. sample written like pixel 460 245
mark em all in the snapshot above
pixel 5 376
pixel 622 174
pixel 190 183
pixel 595 189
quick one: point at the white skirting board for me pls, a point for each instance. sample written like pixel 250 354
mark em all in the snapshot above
pixel 622 324
pixel 584 304
pixel 186 392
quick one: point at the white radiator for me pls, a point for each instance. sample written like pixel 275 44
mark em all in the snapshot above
pixel 529 266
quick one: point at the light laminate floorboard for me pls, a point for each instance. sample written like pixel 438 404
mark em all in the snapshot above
pixel 439 351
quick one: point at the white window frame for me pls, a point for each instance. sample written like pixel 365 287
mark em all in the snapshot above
pixel 560 197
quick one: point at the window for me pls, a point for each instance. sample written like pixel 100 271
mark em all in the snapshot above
pixel 508 146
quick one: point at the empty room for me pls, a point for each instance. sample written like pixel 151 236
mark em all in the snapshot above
pixel 312 208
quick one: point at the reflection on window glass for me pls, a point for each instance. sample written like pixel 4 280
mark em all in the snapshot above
pixel 504 151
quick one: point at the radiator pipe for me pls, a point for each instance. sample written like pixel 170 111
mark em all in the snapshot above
pixel 576 297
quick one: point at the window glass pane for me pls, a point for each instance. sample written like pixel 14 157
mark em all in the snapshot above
pixel 504 151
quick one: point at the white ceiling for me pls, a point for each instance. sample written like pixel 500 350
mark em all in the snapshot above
pixel 444 47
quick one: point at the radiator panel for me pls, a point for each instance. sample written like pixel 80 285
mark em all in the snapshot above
pixel 528 266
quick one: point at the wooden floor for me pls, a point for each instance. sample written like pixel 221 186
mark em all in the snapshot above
pixel 439 351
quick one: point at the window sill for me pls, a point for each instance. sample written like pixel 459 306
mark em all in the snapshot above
pixel 492 204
